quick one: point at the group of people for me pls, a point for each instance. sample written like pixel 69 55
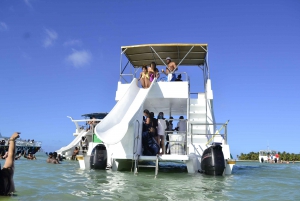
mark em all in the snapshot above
pixel 54 158
pixel 84 147
pixel 158 128
pixel 92 124
pixel 148 74
pixel 29 156
pixel 3 142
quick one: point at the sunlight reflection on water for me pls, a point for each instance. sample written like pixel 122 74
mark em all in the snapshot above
pixel 37 180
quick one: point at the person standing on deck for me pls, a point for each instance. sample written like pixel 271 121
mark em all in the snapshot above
pixel 181 125
pixel 171 68
pixel 161 127
pixel 169 129
pixel 84 143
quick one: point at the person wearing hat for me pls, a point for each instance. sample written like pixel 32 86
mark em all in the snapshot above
pixel 171 68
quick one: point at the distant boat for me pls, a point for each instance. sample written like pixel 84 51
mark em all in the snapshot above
pixel 81 131
pixel 27 146
pixel 268 156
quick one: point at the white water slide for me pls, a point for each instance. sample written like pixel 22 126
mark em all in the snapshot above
pixel 114 126
pixel 73 144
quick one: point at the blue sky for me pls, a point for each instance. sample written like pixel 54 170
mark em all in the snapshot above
pixel 61 58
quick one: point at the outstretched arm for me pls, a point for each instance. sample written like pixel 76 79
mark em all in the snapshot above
pixel 9 162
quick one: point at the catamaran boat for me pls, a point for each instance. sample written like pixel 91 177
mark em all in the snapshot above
pixel 22 146
pixel 268 156
pixel 82 130
pixel 202 147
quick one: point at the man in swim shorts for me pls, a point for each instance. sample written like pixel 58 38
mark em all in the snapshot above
pixel 171 68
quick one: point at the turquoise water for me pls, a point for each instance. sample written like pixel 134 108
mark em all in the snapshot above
pixel 38 180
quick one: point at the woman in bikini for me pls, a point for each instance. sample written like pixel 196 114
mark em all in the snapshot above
pixel 153 71
pixel 7 186
pixel 144 78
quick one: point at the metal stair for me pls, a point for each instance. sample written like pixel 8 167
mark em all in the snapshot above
pixel 137 165
pixel 197 116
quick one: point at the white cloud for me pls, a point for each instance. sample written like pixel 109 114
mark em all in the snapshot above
pixel 3 26
pixel 73 43
pixel 27 2
pixel 25 56
pixel 51 36
pixel 79 58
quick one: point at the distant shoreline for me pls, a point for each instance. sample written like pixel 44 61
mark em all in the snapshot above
pixel 258 161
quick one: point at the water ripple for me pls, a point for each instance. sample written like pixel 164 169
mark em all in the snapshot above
pixel 38 180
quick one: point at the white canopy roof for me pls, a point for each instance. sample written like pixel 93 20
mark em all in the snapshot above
pixel 183 54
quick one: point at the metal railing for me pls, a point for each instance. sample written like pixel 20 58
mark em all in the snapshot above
pixel 172 141
pixel 191 133
pixel 213 135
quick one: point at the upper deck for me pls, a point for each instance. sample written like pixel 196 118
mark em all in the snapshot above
pixel 172 96
pixel 181 54
pixel 187 55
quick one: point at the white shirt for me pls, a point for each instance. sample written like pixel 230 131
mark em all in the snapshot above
pixel 182 125
pixel 161 126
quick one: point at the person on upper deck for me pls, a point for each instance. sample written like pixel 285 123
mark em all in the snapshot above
pixel 153 72
pixel 178 78
pixel 93 124
pixel 171 68
pixel 144 78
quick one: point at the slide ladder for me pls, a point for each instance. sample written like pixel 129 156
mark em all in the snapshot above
pixel 137 166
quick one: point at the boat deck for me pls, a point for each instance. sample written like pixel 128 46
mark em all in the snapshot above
pixel 166 157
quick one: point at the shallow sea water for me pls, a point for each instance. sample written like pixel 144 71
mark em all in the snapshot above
pixel 38 180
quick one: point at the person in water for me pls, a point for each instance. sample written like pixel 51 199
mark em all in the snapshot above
pixel 7 186
pixel 51 159
pixel 30 156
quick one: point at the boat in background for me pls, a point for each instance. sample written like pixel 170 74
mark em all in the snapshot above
pixel 268 156
pixel 82 130
pixel 123 142
pixel 22 146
